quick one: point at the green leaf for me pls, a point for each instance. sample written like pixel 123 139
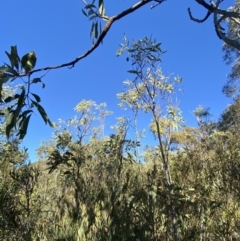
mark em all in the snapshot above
pixel 131 50
pixel 92 32
pixel 26 112
pixel 50 123
pixel 132 71
pixel 28 61
pixel 21 97
pixel 42 113
pixel 13 57
pixel 9 124
pixel 3 68
pixel 37 98
pixel 119 52
pixel 23 126
pixel 6 113
pixel 9 56
pixel 10 71
pixel 20 104
pixel 151 57
pixel 96 30
pixel 90 6
pixel 101 8
pixel 3 79
pixel 90 12
pixel 16 59
pixel 36 80
pixel 11 98
pixel 10 120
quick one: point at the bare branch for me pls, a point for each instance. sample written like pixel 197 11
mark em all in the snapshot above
pixel 199 20
pixel 107 27
pixel 213 8
pixel 221 35
pixel 224 14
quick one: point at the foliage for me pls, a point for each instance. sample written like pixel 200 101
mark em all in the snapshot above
pixel 97 190
pixel 231 55
pixel 93 186
pixel 20 105
pixel 20 206
pixel 229 120
pixel 151 91
pixel 18 113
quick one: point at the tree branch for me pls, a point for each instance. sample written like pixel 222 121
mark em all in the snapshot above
pixel 221 35
pixel 214 8
pixel 199 20
pixel 107 27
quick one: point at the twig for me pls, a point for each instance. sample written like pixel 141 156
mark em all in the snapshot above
pixel 107 27
pixel 199 20
pixel 158 3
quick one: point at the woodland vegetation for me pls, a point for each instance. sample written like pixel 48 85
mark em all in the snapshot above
pixel 91 186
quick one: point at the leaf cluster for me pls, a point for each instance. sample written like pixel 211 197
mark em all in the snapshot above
pixel 19 107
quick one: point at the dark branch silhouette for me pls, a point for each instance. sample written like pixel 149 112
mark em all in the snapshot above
pixel 219 16
pixel 106 28
pixel 199 20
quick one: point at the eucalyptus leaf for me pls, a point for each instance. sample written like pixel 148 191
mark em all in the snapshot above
pixel 90 6
pixel 37 98
pixel 42 113
pixel 11 98
pixel 9 124
pixel 101 8
pixel 90 12
pixel 132 71
pixel 36 80
pixel 96 30
pixel 92 32
pixel 28 61
pixel 23 127
pixel 13 57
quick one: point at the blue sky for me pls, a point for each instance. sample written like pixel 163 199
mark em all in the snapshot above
pixel 58 32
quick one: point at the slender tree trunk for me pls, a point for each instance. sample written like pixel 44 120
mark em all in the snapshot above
pixel 168 179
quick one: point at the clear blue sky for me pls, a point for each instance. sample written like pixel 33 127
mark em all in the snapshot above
pixel 58 32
